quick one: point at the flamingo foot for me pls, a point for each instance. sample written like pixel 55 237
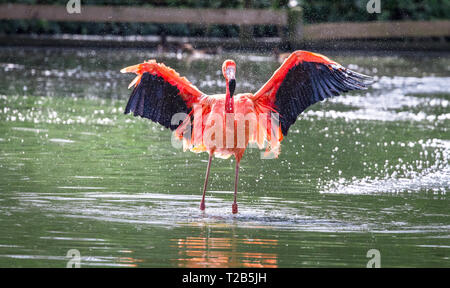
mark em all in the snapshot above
pixel 234 208
pixel 202 205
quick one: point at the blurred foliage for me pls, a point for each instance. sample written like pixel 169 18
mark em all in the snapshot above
pixel 314 11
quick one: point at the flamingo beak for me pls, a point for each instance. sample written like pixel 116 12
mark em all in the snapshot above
pixel 231 86
pixel 230 73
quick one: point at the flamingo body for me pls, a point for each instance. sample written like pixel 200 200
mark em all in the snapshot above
pixel 224 124
pixel 235 134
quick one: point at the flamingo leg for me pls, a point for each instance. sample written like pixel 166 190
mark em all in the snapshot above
pixel 236 179
pixel 202 203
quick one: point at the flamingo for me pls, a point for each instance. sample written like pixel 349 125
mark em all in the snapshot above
pixel 162 95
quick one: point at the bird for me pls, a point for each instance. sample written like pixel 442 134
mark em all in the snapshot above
pixel 189 49
pixel 224 124
pixel 192 54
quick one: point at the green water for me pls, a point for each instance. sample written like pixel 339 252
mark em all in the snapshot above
pixel 369 170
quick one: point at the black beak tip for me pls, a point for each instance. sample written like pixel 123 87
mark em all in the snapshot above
pixel 232 86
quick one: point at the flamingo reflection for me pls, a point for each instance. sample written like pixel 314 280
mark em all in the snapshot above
pixel 214 252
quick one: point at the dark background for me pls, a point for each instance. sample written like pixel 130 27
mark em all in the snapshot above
pixel 314 11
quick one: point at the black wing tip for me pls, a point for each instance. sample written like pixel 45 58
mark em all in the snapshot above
pixel 325 81
pixel 157 100
pixel 364 80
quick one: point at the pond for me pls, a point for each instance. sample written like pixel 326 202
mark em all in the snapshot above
pixel 366 170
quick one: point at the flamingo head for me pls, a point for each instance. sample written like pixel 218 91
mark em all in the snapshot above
pixel 229 72
pixel 229 69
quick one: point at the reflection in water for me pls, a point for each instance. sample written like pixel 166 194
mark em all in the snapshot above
pixel 202 252
pixel 224 252
pixel 128 261
pixel 86 261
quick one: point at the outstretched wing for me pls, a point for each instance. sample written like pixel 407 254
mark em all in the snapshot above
pixel 304 79
pixel 159 93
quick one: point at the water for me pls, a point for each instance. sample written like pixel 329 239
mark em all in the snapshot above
pixel 369 170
